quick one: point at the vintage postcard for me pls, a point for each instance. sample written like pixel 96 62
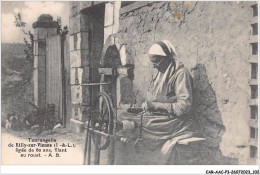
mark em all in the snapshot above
pixel 129 83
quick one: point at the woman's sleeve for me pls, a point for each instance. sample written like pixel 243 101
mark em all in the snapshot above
pixel 183 91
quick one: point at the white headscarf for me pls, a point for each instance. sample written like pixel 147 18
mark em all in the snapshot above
pixel 156 49
pixel 161 80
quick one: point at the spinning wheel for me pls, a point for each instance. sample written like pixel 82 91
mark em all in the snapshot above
pixel 101 129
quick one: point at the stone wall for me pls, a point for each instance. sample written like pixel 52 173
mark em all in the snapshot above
pixel 79 62
pixel 90 25
pixel 212 40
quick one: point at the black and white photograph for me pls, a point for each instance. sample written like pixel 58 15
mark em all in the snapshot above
pixel 129 83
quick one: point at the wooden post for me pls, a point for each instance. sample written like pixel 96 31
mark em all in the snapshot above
pixel 97 150
pixel 89 149
pixel 111 152
pixel 63 90
pixel 86 143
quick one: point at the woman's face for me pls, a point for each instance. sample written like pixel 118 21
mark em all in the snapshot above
pixel 160 62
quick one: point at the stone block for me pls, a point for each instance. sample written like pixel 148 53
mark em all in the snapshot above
pixel 42 33
pixel 107 31
pixel 84 23
pixel 74 4
pixel 98 2
pixel 123 55
pixel 77 112
pixel 45 24
pixel 85 4
pixel 35 62
pixel 79 75
pixel 85 76
pixel 72 38
pixel 80 94
pixel 35 47
pixel 76 126
pixel 73 76
pixel 118 43
pixel 86 95
pixel 79 116
pixel 76 94
pixel 117 6
pixel 71 23
pixel 35 33
pixel 79 58
pixel 35 85
pixel 109 14
pixel 77 41
pixel 74 24
pixel 78 23
pixel 75 10
pixel 51 32
pixel 84 57
pixel 41 87
pixel 82 41
pixel 41 74
pixel 39 61
pixel 41 47
pixel 85 110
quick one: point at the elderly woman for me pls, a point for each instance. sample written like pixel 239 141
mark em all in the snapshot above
pixel 172 85
pixel 166 120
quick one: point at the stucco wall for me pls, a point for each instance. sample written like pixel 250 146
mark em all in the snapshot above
pixel 212 40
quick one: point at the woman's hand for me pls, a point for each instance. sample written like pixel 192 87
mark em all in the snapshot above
pixel 148 106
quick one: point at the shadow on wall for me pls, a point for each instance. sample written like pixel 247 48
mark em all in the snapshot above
pixel 207 122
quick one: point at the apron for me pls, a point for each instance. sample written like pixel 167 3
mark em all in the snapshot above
pixel 161 131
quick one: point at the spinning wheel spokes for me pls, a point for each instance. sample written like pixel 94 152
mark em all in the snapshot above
pixel 101 130
pixel 105 119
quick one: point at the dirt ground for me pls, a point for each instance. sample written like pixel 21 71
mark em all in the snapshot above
pixel 70 142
